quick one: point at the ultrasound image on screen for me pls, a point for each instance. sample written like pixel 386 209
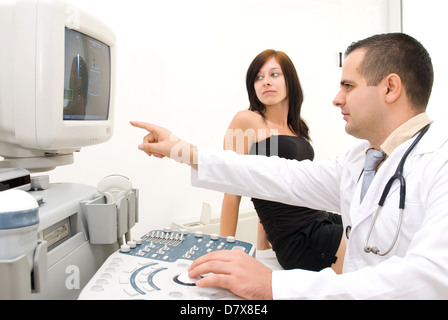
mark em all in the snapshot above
pixel 87 78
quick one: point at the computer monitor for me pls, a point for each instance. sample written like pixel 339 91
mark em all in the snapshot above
pixel 57 82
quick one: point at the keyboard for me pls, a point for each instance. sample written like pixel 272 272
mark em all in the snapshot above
pixel 154 267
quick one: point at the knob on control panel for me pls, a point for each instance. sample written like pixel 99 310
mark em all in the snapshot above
pixel 185 280
pixel 198 234
pixel 214 236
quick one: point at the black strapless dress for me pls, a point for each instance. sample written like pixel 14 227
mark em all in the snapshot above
pixel 301 237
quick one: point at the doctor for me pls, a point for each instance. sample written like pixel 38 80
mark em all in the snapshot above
pixel 385 87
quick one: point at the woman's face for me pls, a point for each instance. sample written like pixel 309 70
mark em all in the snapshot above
pixel 270 85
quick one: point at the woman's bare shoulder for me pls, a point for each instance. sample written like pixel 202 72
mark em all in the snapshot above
pixel 245 119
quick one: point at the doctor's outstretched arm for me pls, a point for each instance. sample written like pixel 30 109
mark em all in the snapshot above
pixel 270 178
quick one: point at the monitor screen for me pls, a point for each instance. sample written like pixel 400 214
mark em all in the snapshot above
pixel 87 77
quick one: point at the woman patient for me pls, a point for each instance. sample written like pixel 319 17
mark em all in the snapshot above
pixel 300 237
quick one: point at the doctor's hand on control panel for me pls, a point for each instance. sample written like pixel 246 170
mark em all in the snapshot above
pixel 234 270
pixel 397 243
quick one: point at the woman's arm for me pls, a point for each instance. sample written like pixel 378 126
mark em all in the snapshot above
pixel 229 214
pixel 239 138
pixel 262 239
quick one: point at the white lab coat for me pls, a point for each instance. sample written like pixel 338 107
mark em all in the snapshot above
pixel 417 267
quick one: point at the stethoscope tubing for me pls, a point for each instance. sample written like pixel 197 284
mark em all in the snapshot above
pixel 398 175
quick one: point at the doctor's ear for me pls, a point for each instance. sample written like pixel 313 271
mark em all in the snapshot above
pixel 394 87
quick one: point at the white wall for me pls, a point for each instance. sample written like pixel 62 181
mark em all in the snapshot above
pixel 182 64
pixel 427 22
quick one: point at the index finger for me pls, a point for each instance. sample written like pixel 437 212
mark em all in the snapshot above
pixel 144 125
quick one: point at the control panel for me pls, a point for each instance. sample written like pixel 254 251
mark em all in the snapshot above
pixel 155 267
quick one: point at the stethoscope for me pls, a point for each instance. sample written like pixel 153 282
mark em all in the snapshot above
pixel 398 175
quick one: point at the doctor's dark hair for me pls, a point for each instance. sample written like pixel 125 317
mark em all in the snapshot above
pixel 400 54
pixel 294 89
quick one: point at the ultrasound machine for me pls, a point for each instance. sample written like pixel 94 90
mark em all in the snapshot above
pixel 69 240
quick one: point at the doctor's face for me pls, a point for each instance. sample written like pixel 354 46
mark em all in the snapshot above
pixel 360 104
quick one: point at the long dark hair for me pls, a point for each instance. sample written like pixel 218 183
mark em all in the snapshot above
pixel 295 94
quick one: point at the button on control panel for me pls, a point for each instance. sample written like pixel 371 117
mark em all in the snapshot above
pixel 154 267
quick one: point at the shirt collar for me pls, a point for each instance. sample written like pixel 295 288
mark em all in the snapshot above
pixel 404 132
